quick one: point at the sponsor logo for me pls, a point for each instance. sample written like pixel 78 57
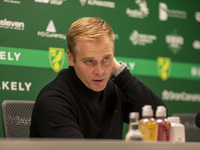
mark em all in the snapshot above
pixel 165 13
pixel 83 2
pixel 51 32
pixel 164 67
pixel 56 58
pixel 197 16
pixel 54 2
pixel 9 56
pixel 13 25
pixel 116 36
pixel 195 72
pixel 196 45
pixel 174 41
pixel 182 96
pixel 98 3
pixel 51 27
pixel 141 13
pixel 15 86
pixel 141 39
pixel 12 1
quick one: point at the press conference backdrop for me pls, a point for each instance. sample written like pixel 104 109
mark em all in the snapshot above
pixel 159 40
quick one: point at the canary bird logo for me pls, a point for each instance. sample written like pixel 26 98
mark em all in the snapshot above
pixel 56 58
pixel 164 67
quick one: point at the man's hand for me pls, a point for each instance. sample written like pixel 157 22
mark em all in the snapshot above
pixel 116 66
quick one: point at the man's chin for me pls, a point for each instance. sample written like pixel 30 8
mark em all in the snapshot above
pixel 98 89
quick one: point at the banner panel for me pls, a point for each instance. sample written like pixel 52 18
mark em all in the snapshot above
pixel 158 40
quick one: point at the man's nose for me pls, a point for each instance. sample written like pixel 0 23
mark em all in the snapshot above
pixel 99 69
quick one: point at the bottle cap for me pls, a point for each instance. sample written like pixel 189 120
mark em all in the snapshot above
pixel 161 111
pixel 174 119
pixel 147 111
pixel 134 115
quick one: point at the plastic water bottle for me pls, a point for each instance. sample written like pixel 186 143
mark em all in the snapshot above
pixel 163 124
pixel 148 125
pixel 134 133
pixel 177 131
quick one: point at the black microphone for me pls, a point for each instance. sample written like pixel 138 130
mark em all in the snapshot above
pixel 197 119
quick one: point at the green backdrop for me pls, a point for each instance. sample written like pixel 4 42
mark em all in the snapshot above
pixel 159 40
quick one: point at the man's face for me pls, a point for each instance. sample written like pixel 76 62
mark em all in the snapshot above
pixel 94 62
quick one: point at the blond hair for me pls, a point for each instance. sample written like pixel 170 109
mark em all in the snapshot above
pixel 87 28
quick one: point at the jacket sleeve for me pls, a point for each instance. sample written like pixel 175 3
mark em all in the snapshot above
pixel 54 116
pixel 136 94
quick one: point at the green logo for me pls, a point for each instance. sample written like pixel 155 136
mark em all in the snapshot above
pixel 164 67
pixel 56 58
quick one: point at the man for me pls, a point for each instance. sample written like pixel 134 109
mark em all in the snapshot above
pixel 94 96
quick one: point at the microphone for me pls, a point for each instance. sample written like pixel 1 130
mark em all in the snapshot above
pixel 197 119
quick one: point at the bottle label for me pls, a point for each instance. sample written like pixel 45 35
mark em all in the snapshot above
pixel 149 130
pixel 163 131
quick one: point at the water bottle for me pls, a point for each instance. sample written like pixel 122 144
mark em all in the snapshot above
pixel 134 133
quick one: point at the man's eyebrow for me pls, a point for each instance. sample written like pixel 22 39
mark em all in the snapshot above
pixel 108 55
pixel 87 58
pixel 91 58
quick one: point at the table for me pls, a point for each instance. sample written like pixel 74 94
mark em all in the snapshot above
pixel 68 144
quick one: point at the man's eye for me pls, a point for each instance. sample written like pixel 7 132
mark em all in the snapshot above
pixel 106 59
pixel 89 62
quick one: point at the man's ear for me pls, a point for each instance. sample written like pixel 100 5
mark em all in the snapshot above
pixel 70 58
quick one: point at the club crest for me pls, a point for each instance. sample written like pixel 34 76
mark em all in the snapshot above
pixel 164 67
pixel 56 58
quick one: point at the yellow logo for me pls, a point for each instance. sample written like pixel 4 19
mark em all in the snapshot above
pixel 56 58
pixel 164 67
